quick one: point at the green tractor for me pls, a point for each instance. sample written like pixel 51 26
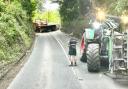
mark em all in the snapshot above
pixel 106 46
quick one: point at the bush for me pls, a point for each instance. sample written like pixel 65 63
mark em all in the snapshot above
pixel 15 30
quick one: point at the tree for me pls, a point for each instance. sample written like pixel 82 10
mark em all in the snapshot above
pixel 69 10
pixel 15 27
pixel 84 6
pixel 29 6
pixel 116 8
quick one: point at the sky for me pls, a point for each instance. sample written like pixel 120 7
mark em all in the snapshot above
pixel 48 5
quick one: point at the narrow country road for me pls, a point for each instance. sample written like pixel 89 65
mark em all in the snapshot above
pixel 47 68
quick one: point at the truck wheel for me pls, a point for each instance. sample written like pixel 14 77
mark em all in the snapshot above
pixel 93 58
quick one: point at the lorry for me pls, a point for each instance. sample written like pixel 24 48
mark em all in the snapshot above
pixel 43 26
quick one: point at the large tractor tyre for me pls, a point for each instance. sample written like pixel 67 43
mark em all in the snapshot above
pixel 93 58
pixel 84 57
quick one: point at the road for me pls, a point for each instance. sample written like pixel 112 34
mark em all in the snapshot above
pixel 47 68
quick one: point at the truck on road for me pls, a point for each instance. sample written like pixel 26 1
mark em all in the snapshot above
pixel 43 26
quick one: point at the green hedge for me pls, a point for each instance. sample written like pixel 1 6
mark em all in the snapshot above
pixel 15 30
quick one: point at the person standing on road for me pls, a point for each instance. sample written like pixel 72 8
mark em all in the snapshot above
pixel 72 51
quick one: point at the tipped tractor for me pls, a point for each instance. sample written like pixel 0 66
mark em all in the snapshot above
pixel 106 46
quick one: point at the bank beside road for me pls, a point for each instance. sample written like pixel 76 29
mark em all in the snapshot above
pixel 9 71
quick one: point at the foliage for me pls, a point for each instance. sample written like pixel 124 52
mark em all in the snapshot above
pixel 84 6
pixel 74 11
pixel 51 16
pixel 116 8
pixel 69 10
pixel 29 6
pixel 73 15
pixel 15 28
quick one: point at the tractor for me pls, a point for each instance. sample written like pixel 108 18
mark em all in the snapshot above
pixel 106 45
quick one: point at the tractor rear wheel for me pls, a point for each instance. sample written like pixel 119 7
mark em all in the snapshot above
pixel 93 58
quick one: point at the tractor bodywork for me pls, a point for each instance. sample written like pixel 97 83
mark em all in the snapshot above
pixel 106 47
